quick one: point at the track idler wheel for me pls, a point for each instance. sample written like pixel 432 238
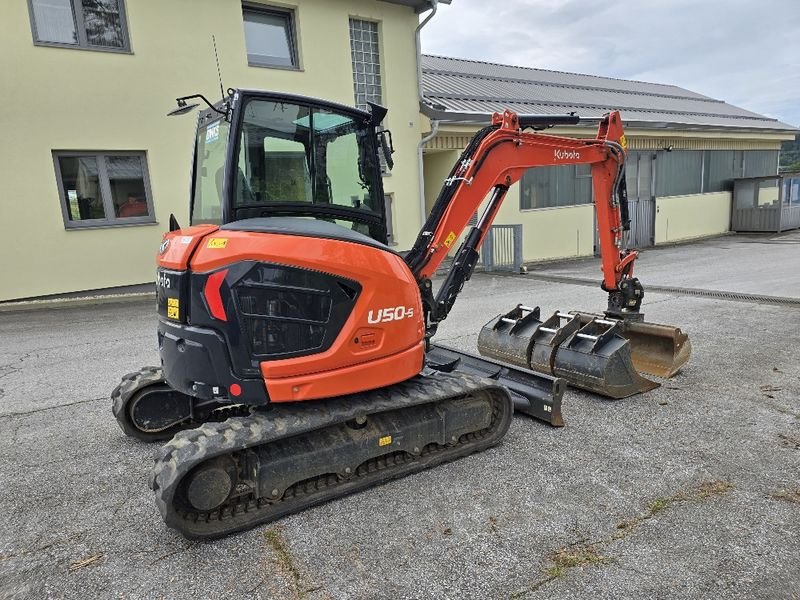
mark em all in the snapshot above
pixel 210 484
pixel 147 408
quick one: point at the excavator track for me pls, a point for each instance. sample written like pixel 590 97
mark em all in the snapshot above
pixel 150 381
pixel 222 478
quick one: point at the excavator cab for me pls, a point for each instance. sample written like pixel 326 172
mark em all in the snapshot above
pixel 260 154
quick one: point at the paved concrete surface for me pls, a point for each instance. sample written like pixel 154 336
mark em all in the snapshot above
pixel 685 492
pixel 751 264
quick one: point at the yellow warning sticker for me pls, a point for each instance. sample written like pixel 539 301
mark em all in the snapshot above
pixel 217 243
pixel 451 237
pixel 173 312
pixel 623 142
pixel 385 440
pixel 173 302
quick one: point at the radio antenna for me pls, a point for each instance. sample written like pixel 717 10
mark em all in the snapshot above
pixel 219 71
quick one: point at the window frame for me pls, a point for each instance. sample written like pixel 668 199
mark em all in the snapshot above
pixel 290 14
pixel 80 30
pixel 105 189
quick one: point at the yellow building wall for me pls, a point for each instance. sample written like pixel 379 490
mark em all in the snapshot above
pixel 550 233
pixel 692 216
pixel 71 99
pixel 437 167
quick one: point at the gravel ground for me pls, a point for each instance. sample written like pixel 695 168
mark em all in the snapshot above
pixel 690 491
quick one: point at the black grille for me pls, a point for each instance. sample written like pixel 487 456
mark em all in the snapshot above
pixel 287 311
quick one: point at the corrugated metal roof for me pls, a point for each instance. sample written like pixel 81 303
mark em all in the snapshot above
pixel 473 86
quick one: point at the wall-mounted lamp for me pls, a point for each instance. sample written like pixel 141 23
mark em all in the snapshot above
pixel 667 148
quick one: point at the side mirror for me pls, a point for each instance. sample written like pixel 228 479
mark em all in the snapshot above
pixel 387 147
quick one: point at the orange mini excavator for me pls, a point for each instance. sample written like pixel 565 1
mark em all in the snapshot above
pixel 297 361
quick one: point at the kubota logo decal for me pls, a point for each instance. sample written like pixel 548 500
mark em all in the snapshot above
pixel 385 315
pixel 566 154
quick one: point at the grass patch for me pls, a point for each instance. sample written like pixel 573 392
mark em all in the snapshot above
pixel 580 555
pixel 711 488
pixel 277 543
pixel 788 441
pixel 656 506
pixel 569 558
pixel 792 496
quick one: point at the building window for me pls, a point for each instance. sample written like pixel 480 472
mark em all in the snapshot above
pixel 366 62
pixel 683 172
pixel 93 24
pixel 269 37
pixel 556 186
pixel 103 189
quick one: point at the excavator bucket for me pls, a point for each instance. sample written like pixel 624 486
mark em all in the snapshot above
pixel 658 350
pixel 593 354
pixel 597 358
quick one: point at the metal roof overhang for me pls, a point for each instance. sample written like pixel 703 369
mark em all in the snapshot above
pixel 417 5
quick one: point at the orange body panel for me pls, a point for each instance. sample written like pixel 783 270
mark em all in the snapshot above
pixel 177 246
pixel 383 336
pixel 357 378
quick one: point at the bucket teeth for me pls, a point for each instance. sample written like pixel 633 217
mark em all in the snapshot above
pixel 589 351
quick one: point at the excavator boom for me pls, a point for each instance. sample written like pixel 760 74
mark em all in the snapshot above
pixel 601 353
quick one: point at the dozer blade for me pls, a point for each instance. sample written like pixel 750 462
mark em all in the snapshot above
pixel 534 394
pixel 591 355
pixel 658 350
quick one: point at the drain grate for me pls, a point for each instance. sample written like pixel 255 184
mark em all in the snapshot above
pixel 682 291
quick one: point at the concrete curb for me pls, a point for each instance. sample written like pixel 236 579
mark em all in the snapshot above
pixel 59 303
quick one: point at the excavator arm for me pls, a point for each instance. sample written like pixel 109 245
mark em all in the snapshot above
pixel 496 158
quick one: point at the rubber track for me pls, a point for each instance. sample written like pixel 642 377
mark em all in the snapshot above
pixel 193 447
pixel 130 384
pixel 146 377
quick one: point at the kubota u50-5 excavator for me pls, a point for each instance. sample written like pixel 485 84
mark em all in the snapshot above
pixel 297 361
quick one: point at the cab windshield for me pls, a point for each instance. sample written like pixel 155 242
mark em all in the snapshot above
pixel 304 161
pixel 291 160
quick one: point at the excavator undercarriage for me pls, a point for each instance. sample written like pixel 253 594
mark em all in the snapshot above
pixel 225 477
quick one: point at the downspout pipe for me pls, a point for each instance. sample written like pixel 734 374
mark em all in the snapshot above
pixel 423 212
pixel 434 4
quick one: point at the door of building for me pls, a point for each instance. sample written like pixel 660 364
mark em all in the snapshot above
pixel 640 169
